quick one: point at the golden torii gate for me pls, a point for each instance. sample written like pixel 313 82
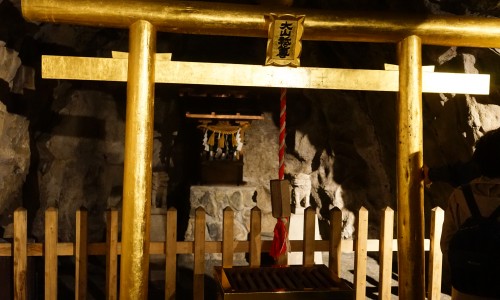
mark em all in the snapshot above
pixel 143 68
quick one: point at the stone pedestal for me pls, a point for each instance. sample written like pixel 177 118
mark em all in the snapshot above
pixel 214 199
pixel 296 232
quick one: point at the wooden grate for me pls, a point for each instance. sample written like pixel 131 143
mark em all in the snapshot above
pixel 277 280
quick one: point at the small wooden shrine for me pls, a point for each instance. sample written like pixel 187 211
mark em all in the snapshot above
pixel 222 146
pixel 223 115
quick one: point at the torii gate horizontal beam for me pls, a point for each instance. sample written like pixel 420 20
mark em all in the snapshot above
pixel 115 69
pixel 248 20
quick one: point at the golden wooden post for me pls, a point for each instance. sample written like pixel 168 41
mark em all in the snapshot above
pixel 170 253
pixel 81 253
pixel 111 254
pixel 361 253
pixel 255 236
pixel 50 253
pixel 335 245
pixel 435 255
pixel 20 254
pixel 409 165
pixel 199 254
pixel 137 165
pixel 385 254
pixel 309 237
pixel 228 237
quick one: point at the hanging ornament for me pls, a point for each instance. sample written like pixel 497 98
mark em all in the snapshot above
pixel 206 147
pixel 239 143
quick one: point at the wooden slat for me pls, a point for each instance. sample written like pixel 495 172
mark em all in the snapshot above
pixel 35 249
pixel 81 255
pixel 111 254
pixel 309 236
pixel 186 247
pixel 5 249
pixel 213 115
pixel 182 72
pixel 199 254
pixel 124 55
pixel 50 253
pixel 255 237
pixel 361 253
pixel 254 246
pixel 170 253
pixel 20 254
pixel 227 238
pixel 65 249
pixel 385 269
pixel 335 243
pixel 386 242
pixel 96 249
pixel 435 255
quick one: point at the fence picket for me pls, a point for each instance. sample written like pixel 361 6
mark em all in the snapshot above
pixel 335 257
pixel 81 255
pixel 385 264
pixel 51 249
pixel 361 253
pixel 435 254
pixel 111 254
pixel 50 253
pixel 20 254
pixel 228 238
pixel 199 254
pixel 170 253
pixel 309 236
pixel 255 237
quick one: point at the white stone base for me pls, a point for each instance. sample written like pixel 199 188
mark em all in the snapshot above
pixel 214 199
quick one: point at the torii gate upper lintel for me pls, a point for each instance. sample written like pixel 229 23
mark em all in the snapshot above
pixel 248 20
pixel 145 17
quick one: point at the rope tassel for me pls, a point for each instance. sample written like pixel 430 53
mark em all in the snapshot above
pixel 280 243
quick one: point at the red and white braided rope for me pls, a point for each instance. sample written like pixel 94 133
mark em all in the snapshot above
pixel 282 134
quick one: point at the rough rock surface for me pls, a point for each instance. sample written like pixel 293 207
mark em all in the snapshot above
pixel 81 161
pixel 15 162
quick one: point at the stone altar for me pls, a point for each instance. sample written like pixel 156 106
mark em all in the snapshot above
pixel 214 199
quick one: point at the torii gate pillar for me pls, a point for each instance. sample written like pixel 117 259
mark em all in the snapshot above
pixel 136 206
pixel 408 171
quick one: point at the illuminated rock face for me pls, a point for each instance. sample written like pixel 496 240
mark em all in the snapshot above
pixel 345 141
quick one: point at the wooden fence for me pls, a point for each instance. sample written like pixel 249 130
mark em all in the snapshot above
pixel 20 249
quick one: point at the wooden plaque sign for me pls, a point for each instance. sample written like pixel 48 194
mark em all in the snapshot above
pixel 284 40
pixel 280 198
